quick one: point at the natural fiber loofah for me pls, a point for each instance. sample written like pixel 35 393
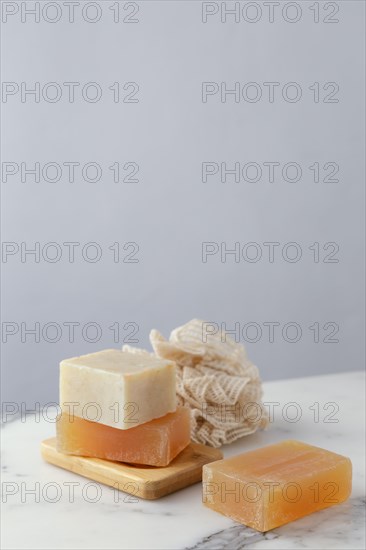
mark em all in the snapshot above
pixel 216 380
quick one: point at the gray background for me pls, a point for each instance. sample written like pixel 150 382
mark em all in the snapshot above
pixel 170 211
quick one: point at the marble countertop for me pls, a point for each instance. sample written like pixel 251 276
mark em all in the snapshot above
pixel 46 507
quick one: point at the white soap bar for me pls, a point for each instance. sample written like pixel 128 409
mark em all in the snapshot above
pixel 117 388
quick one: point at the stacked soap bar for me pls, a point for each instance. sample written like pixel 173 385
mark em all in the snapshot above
pixel 122 389
pixel 155 443
pixel 273 485
pixel 121 406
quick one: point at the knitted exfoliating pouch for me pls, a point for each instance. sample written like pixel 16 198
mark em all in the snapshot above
pixel 215 379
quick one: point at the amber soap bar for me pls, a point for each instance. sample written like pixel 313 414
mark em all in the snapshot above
pixel 117 388
pixel 154 443
pixel 277 484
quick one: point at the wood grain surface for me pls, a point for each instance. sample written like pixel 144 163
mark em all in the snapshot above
pixel 147 482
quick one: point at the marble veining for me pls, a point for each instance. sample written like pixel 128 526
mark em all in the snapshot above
pixel 47 507
pixel 233 538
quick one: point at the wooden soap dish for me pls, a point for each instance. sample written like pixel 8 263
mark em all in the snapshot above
pixel 141 481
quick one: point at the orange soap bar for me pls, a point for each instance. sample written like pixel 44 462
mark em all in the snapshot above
pixel 154 443
pixel 273 485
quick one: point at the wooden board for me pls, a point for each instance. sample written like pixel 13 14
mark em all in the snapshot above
pixel 142 481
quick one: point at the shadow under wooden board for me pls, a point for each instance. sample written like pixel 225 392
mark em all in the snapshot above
pixel 148 482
